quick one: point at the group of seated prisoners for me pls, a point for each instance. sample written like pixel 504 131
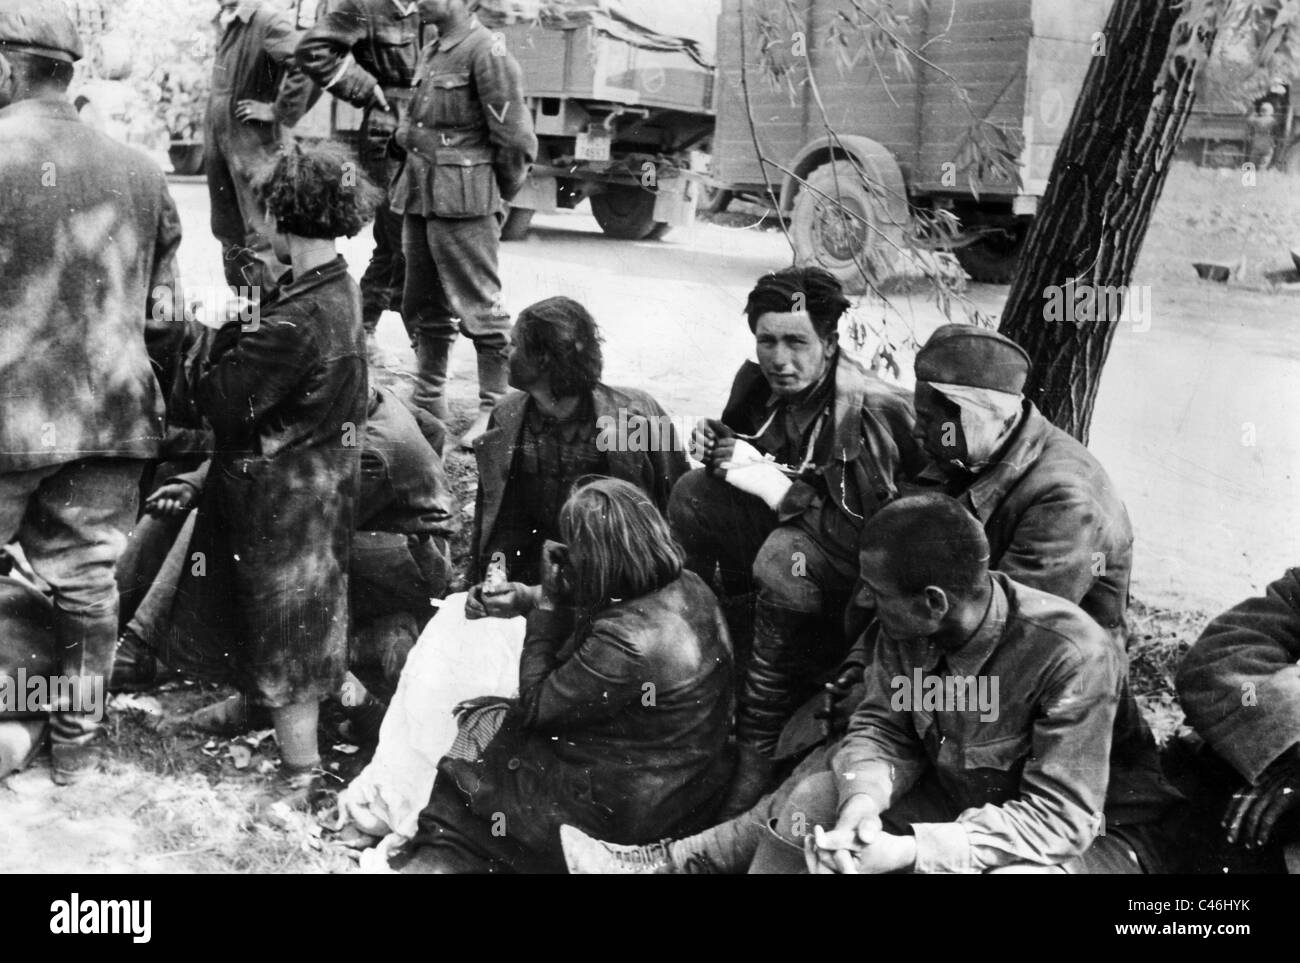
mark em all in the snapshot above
pixel 875 631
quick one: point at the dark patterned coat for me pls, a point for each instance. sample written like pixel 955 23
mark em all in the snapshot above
pixel 267 607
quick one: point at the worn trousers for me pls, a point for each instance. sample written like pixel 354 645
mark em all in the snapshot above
pixel 238 220
pixel 785 564
pixel 383 282
pixel 451 276
pixel 71 521
pixel 810 797
pixel 392 579
pixel 718 524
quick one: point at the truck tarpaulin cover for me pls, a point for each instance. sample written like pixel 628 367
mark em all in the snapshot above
pixel 690 26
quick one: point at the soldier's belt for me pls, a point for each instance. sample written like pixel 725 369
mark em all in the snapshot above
pixel 428 143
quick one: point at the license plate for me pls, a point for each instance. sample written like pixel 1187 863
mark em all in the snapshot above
pixel 593 146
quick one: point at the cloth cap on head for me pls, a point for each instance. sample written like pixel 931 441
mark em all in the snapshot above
pixel 964 354
pixel 42 27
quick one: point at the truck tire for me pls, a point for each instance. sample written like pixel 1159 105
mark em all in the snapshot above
pixel 517 223
pixel 838 242
pixel 715 200
pixel 993 260
pixel 187 159
pixel 626 213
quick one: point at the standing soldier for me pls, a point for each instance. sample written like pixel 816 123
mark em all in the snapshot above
pixel 364 52
pixel 256 91
pixel 88 234
pixel 469 141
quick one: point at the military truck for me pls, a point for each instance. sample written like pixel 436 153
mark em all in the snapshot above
pixel 900 120
pixel 621 93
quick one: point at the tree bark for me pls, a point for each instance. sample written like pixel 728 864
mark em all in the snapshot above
pixel 1108 174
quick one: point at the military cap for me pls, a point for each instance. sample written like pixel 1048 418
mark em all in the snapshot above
pixel 964 354
pixel 42 27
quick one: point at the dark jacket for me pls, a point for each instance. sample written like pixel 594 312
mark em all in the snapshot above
pixel 872 448
pixel 469 133
pixel 287 402
pixel 404 488
pixel 620 728
pixel 1055 521
pixel 88 237
pixel 1029 779
pixel 655 470
pixel 254 61
pixel 1240 685
pixel 357 44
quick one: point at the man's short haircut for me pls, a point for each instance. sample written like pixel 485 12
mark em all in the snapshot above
pixel 563 338
pixel 39 71
pixel 620 545
pixel 810 289
pixel 314 188
pixel 929 539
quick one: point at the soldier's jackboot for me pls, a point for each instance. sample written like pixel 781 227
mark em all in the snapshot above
pixel 493 383
pixel 432 354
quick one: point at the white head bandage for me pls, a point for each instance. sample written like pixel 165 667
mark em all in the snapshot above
pixel 987 418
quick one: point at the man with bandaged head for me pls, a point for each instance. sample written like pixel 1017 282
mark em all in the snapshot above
pixel 1053 517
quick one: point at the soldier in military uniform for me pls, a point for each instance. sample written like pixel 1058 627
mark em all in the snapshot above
pixel 89 235
pixel 364 52
pixel 469 143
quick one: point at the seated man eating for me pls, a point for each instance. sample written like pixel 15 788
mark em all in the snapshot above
pixel 810 445
pixel 997 733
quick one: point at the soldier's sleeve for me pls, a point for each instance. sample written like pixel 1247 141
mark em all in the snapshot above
pixel 1240 684
pixel 297 92
pixel 164 327
pixel 500 84
pixel 325 53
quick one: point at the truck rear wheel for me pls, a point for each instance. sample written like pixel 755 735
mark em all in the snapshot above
pixel 993 259
pixel 715 200
pixel 627 213
pixel 850 239
pixel 517 223
pixel 187 159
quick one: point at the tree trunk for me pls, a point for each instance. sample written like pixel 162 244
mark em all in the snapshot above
pixel 1068 293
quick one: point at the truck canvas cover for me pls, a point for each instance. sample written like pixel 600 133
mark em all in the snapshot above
pixel 689 26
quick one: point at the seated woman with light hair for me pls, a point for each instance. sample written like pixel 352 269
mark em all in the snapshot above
pixel 624 708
